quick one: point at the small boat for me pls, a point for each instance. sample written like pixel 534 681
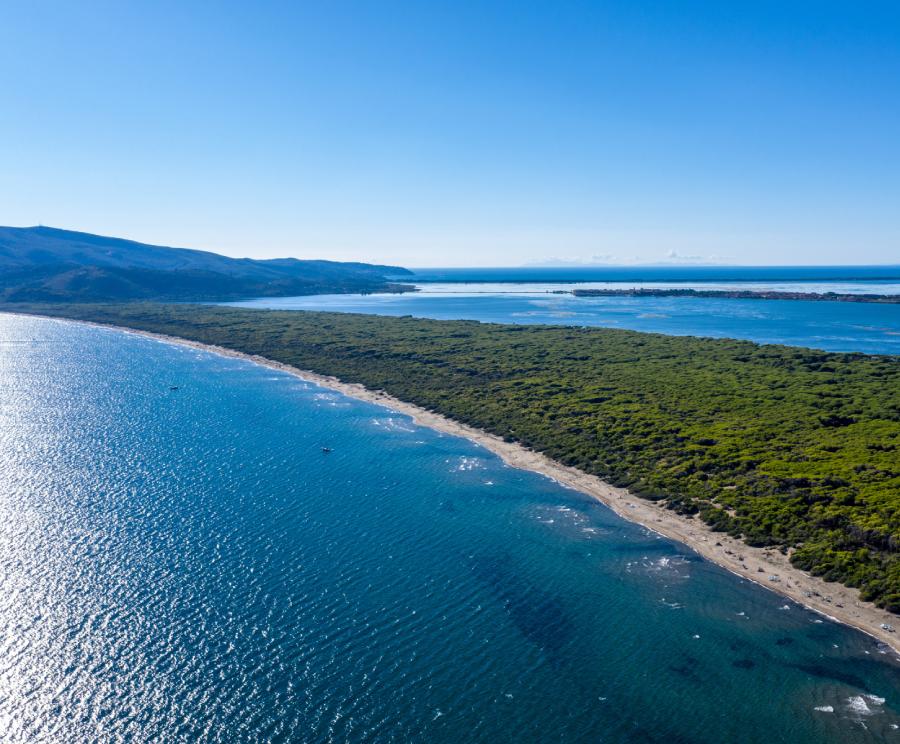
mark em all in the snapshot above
pixel 326 450
pixel 173 387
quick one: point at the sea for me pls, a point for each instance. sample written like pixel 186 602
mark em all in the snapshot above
pixel 535 295
pixel 180 561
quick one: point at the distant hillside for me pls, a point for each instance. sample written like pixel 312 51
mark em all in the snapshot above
pixel 41 264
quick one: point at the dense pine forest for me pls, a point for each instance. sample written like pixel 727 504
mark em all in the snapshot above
pixel 782 446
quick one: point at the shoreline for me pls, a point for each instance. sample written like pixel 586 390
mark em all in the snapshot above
pixel 766 567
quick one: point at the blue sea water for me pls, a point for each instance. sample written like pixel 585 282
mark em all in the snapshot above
pixel 187 565
pixel 687 275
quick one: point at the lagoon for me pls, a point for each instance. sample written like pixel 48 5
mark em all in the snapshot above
pixel 832 326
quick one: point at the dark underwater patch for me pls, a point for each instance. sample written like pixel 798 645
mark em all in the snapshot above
pixel 743 664
pixel 817 670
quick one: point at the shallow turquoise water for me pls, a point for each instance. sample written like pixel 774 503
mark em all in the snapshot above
pixel 833 326
pixel 187 565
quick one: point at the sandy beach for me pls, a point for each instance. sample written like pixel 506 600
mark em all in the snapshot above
pixel 766 567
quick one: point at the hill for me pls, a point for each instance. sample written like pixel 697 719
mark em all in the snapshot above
pixel 47 264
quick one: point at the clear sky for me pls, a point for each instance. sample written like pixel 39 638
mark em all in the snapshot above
pixel 459 133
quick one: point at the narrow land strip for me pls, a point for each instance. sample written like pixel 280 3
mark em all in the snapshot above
pixel 765 566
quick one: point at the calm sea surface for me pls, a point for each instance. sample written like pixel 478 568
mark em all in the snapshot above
pixel 187 565
pixel 527 296
pixel 683 275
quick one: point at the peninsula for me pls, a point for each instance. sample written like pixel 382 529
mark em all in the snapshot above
pixel 788 455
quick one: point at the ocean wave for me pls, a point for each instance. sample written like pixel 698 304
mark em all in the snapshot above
pixel 393 424
pixel 862 704
pixel 465 464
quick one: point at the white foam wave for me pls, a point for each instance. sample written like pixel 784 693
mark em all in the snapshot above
pixel 392 424
pixel 860 704
pixel 464 464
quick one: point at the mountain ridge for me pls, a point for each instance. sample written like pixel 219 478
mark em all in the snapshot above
pixel 52 264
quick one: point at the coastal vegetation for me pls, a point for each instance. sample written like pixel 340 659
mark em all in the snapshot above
pixel 786 447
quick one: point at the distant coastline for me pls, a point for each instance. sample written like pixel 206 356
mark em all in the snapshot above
pixel 737 294
pixel 767 567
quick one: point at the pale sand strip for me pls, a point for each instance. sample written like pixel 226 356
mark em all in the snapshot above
pixel 759 565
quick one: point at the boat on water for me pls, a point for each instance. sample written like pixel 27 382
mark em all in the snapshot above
pixel 326 450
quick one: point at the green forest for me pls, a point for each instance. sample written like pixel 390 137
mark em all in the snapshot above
pixel 781 446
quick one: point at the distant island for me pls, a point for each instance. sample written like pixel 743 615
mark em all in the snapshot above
pixel 735 294
pixel 45 264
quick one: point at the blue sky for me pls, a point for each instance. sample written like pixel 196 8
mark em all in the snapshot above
pixel 438 134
